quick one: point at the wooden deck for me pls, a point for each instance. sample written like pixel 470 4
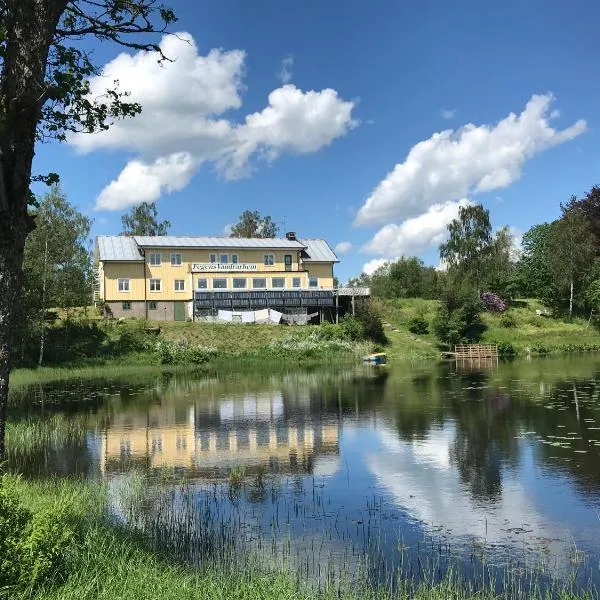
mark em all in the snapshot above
pixel 475 351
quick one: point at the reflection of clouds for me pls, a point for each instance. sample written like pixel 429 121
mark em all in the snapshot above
pixel 264 406
pixel 326 466
pixel 422 480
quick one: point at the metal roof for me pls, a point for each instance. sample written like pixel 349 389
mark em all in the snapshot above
pixel 123 248
pixel 317 251
pixel 170 241
pixel 118 247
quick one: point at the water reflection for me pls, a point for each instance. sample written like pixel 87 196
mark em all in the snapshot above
pixel 257 431
pixel 506 458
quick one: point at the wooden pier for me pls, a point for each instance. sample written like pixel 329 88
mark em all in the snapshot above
pixel 475 356
pixel 475 351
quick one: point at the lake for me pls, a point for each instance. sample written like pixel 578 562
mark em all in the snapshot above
pixel 403 469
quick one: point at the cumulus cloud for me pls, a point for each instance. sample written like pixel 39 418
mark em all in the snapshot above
pixel 414 235
pixel 372 265
pixel 453 164
pixel 184 104
pixel 285 69
pixel 448 113
pixel 516 249
pixel 343 247
pixel 142 182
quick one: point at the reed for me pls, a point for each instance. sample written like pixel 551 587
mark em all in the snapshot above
pixel 143 552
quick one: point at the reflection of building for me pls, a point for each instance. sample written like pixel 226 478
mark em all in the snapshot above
pixel 210 438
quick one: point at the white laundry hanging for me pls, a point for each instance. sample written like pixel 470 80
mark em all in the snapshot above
pixel 274 316
pixel 248 316
pixel 225 315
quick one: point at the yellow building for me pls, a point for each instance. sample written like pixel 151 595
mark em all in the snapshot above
pixel 179 278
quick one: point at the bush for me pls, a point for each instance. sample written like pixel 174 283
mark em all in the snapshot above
pixel 493 302
pixel 133 338
pixel 72 340
pixel 458 319
pixel 352 328
pixel 418 325
pixel 508 320
pixel 177 353
pixel 506 349
pixel 368 316
pixel 308 346
pixel 329 331
pixel 33 547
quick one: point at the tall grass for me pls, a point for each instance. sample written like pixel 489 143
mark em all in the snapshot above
pixel 138 560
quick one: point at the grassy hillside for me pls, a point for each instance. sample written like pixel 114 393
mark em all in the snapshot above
pixel 519 326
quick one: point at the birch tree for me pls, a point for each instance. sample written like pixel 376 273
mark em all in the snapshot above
pixel 57 263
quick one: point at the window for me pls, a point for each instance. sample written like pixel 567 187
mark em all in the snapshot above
pixel 152 305
pixel 155 285
pixel 278 282
pixel 124 285
pixel 179 285
pixel 176 260
pixel 223 259
pixel 126 305
pixel 157 445
pixel 234 259
pixel 296 282
pixel 287 259
pixel 155 258
pixel 219 284
pixel 268 259
pixel 239 283
pixel 213 258
pixel 202 283
pixel 313 282
pixel 259 282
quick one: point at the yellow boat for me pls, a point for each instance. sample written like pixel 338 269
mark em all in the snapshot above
pixel 376 359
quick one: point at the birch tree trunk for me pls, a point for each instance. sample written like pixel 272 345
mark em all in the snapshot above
pixel 571 300
pixel 44 284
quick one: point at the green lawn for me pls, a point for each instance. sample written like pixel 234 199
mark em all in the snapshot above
pixel 519 326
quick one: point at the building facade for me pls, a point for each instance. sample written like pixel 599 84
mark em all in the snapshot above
pixel 179 278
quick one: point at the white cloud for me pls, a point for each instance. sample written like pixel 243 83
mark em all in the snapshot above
pixel 453 164
pixel 227 229
pixel 448 113
pixel 142 182
pixel 295 121
pixel 184 102
pixel 372 265
pixel 414 235
pixel 343 247
pixel 285 69
pixel 517 242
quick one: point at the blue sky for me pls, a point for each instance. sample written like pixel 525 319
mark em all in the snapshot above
pixel 329 116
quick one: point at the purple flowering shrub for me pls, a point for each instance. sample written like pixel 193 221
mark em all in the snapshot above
pixel 492 302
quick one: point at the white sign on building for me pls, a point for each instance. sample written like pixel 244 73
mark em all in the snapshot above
pixel 216 267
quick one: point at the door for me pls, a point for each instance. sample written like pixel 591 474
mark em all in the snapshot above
pixel 179 311
pixel 288 262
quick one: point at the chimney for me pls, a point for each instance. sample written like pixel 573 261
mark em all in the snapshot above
pixel 291 235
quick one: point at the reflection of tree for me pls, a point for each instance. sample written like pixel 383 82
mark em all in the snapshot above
pixel 485 431
pixel 478 459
